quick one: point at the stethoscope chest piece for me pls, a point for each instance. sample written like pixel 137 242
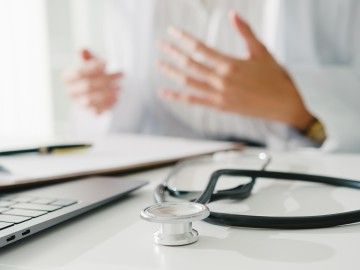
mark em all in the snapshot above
pixel 175 220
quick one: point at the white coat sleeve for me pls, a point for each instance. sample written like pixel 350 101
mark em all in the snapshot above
pixel 332 94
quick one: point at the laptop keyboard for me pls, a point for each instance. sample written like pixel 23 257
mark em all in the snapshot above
pixel 15 210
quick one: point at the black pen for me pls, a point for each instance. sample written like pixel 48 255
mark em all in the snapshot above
pixel 49 149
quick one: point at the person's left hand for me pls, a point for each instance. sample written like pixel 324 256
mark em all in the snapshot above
pixel 257 86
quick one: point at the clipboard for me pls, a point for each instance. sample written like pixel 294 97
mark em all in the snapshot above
pixel 116 154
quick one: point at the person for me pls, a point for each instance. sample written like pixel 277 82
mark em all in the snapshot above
pixel 294 86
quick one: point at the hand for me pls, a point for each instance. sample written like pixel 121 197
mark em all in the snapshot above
pixel 91 85
pixel 257 86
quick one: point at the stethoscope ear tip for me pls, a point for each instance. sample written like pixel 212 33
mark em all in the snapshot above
pixel 175 220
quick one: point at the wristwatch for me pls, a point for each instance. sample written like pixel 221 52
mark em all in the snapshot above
pixel 315 131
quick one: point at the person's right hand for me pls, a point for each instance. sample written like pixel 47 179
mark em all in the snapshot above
pixel 91 85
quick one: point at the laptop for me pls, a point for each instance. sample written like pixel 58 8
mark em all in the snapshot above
pixel 28 212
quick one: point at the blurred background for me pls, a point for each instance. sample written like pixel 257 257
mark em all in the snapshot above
pixel 39 40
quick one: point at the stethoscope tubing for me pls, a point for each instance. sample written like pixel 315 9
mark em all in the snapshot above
pixel 271 222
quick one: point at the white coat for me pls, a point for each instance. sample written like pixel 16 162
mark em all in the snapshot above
pixel 317 41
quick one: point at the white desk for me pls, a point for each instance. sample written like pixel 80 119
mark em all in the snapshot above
pixel 114 237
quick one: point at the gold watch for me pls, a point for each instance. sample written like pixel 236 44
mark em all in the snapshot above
pixel 316 131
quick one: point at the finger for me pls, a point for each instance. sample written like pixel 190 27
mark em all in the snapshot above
pixel 91 68
pixel 115 77
pixel 185 60
pixel 86 54
pixel 107 102
pixel 209 101
pixel 100 102
pixel 91 63
pixel 189 63
pixel 181 77
pixel 255 47
pixel 88 86
pixel 197 47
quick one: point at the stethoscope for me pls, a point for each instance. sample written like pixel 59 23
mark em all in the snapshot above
pixel 176 217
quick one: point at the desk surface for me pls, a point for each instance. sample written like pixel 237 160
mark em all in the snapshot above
pixel 114 237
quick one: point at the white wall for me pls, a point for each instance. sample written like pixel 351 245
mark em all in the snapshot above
pixel 25 96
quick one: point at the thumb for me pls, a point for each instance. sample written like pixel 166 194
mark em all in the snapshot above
pixel 91 64
pixel 86 55
pixel 255 47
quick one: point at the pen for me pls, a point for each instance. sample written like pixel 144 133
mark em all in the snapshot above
pixel 49 149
